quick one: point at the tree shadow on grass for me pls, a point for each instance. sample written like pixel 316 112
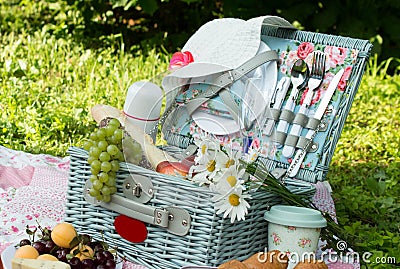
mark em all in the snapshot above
pixel 98 25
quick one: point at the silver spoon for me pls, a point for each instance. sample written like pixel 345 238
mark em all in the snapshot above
pixel 299 76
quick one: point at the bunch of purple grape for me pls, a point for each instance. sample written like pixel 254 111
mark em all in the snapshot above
pixel 102 257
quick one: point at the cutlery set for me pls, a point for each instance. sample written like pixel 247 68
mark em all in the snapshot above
pixel 315 80
pixel 290 124
pixel 300 73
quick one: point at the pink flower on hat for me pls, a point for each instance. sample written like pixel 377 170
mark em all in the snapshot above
pixel 304 49
pixel 180 59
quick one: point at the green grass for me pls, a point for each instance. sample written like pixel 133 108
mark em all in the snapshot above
pixel 48 86
pixel 49 81
pixel 365 169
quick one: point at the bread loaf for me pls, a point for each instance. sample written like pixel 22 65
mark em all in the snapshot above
pixel 233 264
pixel 270 260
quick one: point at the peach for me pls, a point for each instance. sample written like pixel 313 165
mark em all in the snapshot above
pixel 47 257
pixel 173 168
pixel 26 252
pixel 63 234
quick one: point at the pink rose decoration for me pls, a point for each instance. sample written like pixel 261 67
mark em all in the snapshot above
pixel 180 59
pixel 336 56
pixel 304 49
pixel 343 81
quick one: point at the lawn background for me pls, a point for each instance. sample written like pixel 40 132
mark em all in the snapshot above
pixel 50 78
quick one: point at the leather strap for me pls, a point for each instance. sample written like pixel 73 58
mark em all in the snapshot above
pixel 287 115
pixel 312 123
pixel 300 142
pixel 291 140
pixel 303 142
pixel 300 119
pixel 279 137
pixel 226 79
pixel 230 104
pixel 274 114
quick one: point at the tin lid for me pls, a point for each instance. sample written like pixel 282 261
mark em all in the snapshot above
pixel 295 216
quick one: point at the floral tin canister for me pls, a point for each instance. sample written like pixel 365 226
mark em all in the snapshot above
pixel 294 231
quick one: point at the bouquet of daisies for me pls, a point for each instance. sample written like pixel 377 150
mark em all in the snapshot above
pixel 232 175
pixel 222 169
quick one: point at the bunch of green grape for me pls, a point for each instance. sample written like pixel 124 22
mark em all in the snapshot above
pixel 105 152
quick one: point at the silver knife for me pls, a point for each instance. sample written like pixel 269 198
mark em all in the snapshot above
pixel 299 157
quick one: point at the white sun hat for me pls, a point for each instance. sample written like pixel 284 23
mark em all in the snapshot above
pixel 218 46
pixel 228 42
pixel 223 45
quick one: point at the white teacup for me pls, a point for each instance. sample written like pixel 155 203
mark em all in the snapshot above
pixel 294 231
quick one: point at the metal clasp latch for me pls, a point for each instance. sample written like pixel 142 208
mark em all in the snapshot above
pixel 137 190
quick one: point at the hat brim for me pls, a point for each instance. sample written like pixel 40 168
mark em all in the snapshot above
pixel 226 41
pixel 193 72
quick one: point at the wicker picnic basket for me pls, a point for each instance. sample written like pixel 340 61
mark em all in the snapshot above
pixel 203 238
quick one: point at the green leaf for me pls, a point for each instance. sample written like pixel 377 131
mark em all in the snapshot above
pixel 381 187
pixel 372 184
pixel 381 173
pixel 74 242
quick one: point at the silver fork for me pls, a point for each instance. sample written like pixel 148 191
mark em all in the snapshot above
pixel 315 80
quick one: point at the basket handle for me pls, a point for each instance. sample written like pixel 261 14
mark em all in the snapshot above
pixel 174 219
pixel 279 22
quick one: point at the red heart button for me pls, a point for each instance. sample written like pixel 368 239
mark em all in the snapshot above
pixel 130 229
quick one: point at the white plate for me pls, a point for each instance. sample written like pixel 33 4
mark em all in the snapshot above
pixel 8 254
pixel 215 124
pixel 259 84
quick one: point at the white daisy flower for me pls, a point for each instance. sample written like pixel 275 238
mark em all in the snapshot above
pixel 207 148
pixel 251 155
pixel 204 173
pixel 229 178
pixel 228 158
pixel 232 204
pixel 222 171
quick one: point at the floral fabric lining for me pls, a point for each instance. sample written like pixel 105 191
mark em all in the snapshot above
pixel 289 51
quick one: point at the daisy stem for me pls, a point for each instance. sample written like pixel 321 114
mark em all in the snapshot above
pixel 332 233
